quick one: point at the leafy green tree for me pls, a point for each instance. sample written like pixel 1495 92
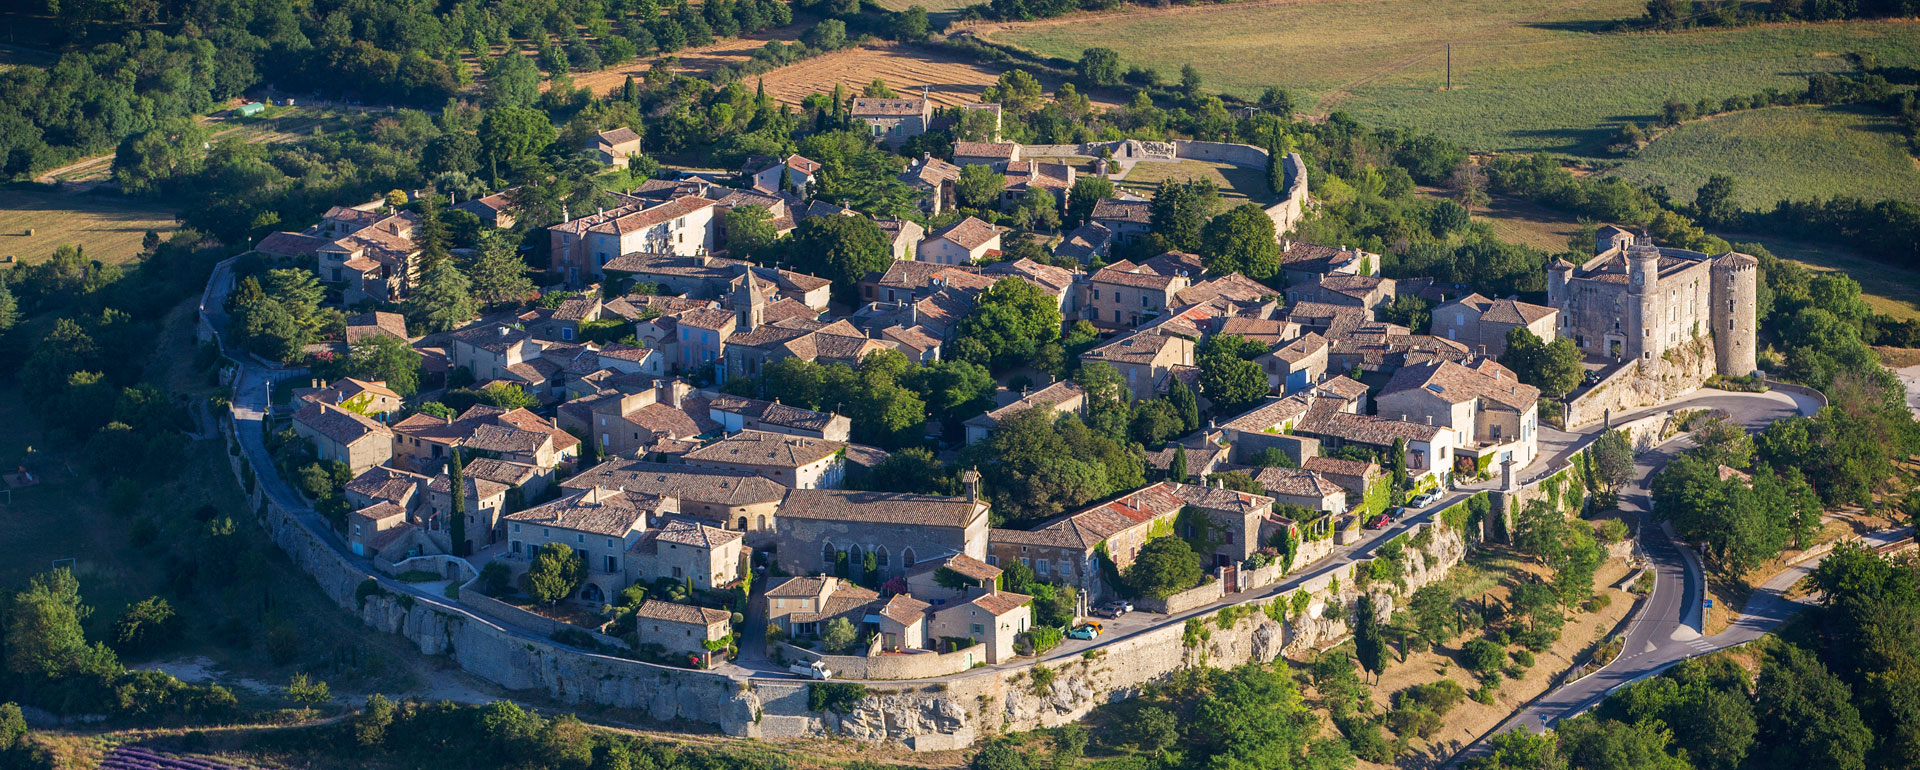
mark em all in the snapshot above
pixel 174 148
pixel 1011 322
pixel 838 634
pixel 1165 566
pixel 554 574
pixel 1612 459
pixel 512 80
pixel 510 133
pixel 979 187
pixel 1241 240
pixel 1521 750
pixel 307 692
pixel 1715 204
pixel 1553 367
pixel 1369 642
pixel 1181 209
pixel 382 358
pixel 1806 715
pixel 443 300
pixel 457 511
pixel 841 249
pixel 1099 67
pixel 1482 656
pixel 1087 190
pixel 508 396
pixel 9 307
pixel 144 626
pixel 1185 405
pixel 749 229
pixel 499 275
pixel 1230 379
pixel 910 25
pixel 44 637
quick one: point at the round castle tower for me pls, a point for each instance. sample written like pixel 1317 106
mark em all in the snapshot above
pixel 1643 313
pixel 1735 293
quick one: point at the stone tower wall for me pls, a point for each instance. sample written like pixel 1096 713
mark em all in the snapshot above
pixel 1735 293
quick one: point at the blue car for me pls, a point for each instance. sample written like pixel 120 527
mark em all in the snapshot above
pixel 1085 632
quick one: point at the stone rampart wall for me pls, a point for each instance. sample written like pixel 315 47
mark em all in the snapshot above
pixel 1645 382
pixel 921 665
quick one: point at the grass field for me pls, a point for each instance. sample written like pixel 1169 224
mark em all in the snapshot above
pixel 1786 152
pixel 1527 74
pixel 950 79
pixel 107 226
pixel 1236 184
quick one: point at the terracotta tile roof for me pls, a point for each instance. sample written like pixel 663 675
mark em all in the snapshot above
pixel 607 512
pixel 1198 459
pixel 654 609
pixel 880 507
pixel 511 474
pixel 1115 210
pixel 387 509
pixel 1140 347
pixel 771 413
pixel 984 149
pixel 694 534
pixel 1456 384
pixel 361 327
pixel 868 106
pixel 1314 258
pixel 969 567
pixel 383 483
pixel 970 233
pixel 800 586
pixel 1085 242
pixel 1362 429
pixel 1001 602
pixel 1341 387
pixel 1271 414
pixel 1333 466
pixel 1126 273
pixel 1062 392
pixel 1513 311
pixel 290 245
pixel 1297 482
pixel 930 172
pixel 919 337
pixel 339 425
pixel 1298 350
pixel 904 609
pixel 1050 279
pixel 711 318
pixel 703 485
pixel 1232 286
pixel 618 136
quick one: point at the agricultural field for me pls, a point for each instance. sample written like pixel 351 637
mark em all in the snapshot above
pixel 1528 75
pixel 1783 153
pixel 951 80
pixel 109 227
pixel 1237 185
pixel 692 61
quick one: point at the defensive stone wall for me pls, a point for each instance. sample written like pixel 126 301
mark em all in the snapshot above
pixel 890 666
pixel 1645 382
pixel 1195 597
pixel 1244 155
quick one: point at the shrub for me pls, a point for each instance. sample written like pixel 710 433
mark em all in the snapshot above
pixel 1043 639
pixel 1042 679
pixel 146 625
pixel 1482 656
pixel 495 578
pixel 1523 658
pixel 838 697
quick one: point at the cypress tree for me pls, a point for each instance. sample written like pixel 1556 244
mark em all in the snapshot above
pixel 1177 470
pixel 459 510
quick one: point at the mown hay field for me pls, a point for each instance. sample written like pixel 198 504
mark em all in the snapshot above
pixel 950 80
pixel 1528 75
pixel 1785 152
pixel 108 226
pixel 1237 185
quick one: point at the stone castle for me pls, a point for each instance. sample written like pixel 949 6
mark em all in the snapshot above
pixel 1636 301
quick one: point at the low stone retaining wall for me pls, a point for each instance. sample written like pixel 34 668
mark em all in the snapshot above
pixel 529 620
pixel 925 664
pixel 1645 382
pixel 1197 596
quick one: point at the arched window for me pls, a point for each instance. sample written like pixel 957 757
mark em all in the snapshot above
pixel 856 559
pixel 880 556
pixel 743 524
pixel 906 558
pixel 763 523
pixel 827 554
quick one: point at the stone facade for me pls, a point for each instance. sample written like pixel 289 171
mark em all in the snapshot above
pixel 1636 301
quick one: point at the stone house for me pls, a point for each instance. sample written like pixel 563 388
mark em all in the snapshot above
pixel 1123 294
pixel 1086 243
pixel 705 277
pixel 961 243
pixel 682 629
pixel 893 121
pixel 358 396
pixel 934 179
pixel 1430 448
pixel 703 337
pixel 1204 458
pixel 798 462
pixel 1061 397
pixel 1271 425
pixel 1075 548
pixel 1306 264
pixel 372 528
pixel 1129 221
pixel 338 435
pixel 1023 175
pixel 1362 291
pixel 384 484
pixel 582 247
pixel 738 413
pixel 902 623
pixel 903 236
pixel 1298 486
pixel 802 606
pixel 1493 416
pixel 1482 324
pixel 1296 365
pixel 992 154
pixel 837 342
pixel 1354 476
pixel 614 147
pixel 817 528
pixel 524 482
pixel 681 550
pixel 494 210
pixel 963 576
pixel 486 502
pixel 793 174
pixel 362 327
pixel 992 620
pixel 739 501
pixel 600 525
pixel 425 441
pixel 1146 359
pixel 369 256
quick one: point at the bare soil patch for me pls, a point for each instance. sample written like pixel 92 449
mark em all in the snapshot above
pixel 949 80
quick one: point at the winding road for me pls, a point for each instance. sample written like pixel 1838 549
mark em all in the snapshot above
pixel 1666 628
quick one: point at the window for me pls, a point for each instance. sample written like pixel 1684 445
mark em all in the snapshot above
pixel 516 527
pixel 514 546
pixel 1144 300
pixel 676 572
pixel 880 556
pixel 1043 567
pixel 1096 293
pixel 828 554
pixel 613 564
pixel 906 558
pixel 978 629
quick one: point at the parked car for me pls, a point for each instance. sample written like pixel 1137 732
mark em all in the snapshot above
pixel 812 670
pixel 1086 631
pixel 1379 521
pixel 1427 499
pixel 1593 376
pixel 1113 609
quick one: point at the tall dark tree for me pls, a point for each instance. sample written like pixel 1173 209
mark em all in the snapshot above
pixel 457 511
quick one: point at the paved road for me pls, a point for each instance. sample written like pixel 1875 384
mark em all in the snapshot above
pixel 1666 628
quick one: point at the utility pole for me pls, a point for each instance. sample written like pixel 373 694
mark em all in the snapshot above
pixel 1449 66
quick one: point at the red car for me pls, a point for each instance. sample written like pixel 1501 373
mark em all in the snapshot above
pixel 1379 522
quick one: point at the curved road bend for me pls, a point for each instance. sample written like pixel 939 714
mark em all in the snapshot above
pixel 1666 628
